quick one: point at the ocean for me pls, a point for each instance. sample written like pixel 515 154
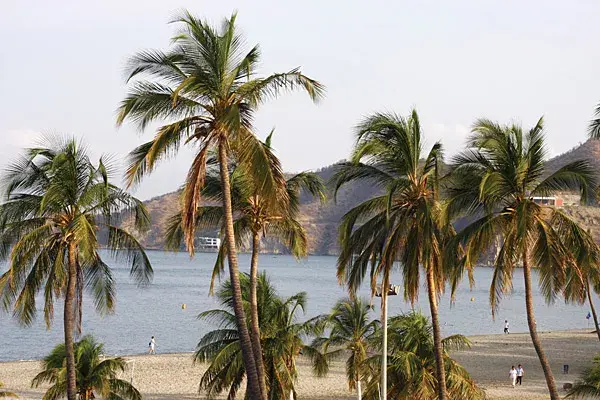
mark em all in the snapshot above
pixel 157 310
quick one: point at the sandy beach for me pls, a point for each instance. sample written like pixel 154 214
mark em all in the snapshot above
pixel 172 376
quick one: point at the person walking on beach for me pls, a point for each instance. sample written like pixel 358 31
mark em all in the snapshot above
pixel 520 374
pixel 506 326
pixel 151 346
pixel 512 374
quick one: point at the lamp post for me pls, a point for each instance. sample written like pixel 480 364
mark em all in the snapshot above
pixel 392 290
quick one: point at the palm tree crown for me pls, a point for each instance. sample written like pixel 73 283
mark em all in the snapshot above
pixel 57 200
pixel 255 215
pixel 498 178
pixel 207 87
pixel 94 377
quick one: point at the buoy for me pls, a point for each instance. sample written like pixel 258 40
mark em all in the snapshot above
pixel 183 306
pixel 472 298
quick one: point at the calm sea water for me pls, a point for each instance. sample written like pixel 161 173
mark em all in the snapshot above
pixel 157 310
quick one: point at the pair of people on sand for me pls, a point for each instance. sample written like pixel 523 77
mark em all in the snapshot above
pixel 516 375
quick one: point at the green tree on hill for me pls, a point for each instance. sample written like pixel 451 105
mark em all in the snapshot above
pixel 55 203
pixel 95 378
pixel 496 179
pixel 206 90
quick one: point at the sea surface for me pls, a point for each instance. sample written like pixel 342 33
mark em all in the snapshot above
pixel 157 310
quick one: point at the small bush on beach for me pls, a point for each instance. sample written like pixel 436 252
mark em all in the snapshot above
pixel 588 385
pixel 411 363
pixel 95 378
pixel 282 337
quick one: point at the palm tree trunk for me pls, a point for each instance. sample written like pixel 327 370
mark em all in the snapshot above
pixel 254 325
pixel 589 293
pixel 384 322
pixel 69 322
pixel 358 388
pixel 533 329
pixel 238 307
pixel 437 336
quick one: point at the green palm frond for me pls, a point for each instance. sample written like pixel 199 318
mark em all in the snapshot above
pixel 594 128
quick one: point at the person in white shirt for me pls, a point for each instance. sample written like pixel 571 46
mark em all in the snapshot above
pixel 151 346
pixel 512 374
pixel 506 326
pixel 520 374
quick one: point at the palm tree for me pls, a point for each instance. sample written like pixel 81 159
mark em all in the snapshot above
pixel 5 394
pixel 583 281
pixel 588 386
pixel 403 223
pixel 282 339
pixel 56 200
pixel 206 88
pixel 256 218
pixel 412 368
pixel 94 377
pixel 350 331
pixel 497 179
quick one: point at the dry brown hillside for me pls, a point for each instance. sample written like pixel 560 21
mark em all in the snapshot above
pixel 321 220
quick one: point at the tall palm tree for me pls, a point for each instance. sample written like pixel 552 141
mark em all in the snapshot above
pixel 94 377
pixel 255 218
pixel 350 330
pixel 588 385
pixel 55 202
pixel 206 88
pixel 282 338
pixel 6 394
pixel 412 364
pixel 404 223
pixel 497 179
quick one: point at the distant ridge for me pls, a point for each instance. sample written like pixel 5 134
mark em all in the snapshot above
pixel 321 220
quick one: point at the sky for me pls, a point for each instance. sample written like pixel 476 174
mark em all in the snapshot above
pixel 62 62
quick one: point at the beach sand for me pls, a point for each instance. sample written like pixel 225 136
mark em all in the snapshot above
pixel 172 376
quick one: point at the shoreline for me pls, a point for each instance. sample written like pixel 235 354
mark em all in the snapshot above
pixel 170 376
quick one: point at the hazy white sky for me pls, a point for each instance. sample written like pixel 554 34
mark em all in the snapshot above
pixel 61 69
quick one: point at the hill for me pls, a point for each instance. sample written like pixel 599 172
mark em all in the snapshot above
pixel 321 220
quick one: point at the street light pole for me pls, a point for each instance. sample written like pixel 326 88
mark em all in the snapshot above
pixel 384 291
